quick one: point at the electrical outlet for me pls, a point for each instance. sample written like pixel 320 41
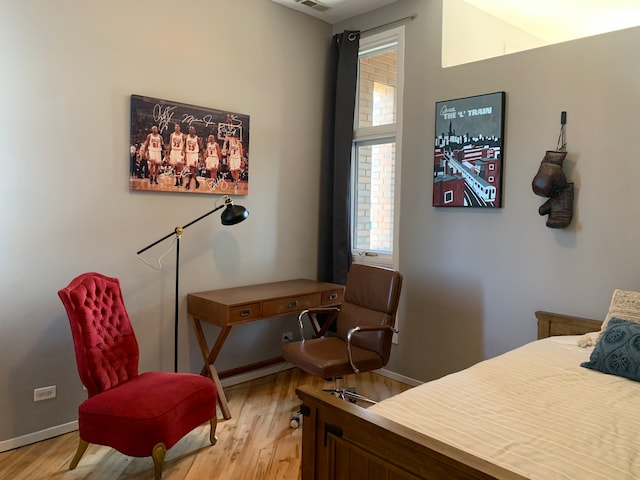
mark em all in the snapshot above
pixel 44 393
pixel 287 337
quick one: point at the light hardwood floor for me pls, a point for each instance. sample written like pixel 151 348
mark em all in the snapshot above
pixel 255 444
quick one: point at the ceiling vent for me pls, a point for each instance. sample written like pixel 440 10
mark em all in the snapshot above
pixel 313 4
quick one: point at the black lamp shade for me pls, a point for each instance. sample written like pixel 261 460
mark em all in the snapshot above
pixel 233 214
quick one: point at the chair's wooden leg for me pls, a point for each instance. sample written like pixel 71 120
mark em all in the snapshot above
pixel 158 454
pixel 212 433
pixel 82 447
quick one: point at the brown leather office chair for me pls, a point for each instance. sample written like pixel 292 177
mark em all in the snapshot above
pixel 364 324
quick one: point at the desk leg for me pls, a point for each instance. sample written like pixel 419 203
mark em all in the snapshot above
pixel 209 357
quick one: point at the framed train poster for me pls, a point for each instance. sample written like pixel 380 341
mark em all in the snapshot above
pixel 183 148
pixel 468 151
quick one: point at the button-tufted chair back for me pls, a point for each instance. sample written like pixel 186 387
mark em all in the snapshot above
pixel 106 348
pixel 139 415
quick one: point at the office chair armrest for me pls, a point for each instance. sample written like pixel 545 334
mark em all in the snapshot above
pixel 311 314
pixel 363 328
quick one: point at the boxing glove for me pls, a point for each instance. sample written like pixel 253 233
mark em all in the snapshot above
pixel 550 177
pixel 559 208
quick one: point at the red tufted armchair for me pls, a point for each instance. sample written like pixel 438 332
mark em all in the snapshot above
pixel 137 414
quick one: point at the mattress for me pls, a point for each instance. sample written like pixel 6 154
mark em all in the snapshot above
pixel 533 410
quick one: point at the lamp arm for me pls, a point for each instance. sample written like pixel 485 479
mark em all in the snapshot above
pixel 178 230
pixel 205 215
pixel 157 242
pixel 178 234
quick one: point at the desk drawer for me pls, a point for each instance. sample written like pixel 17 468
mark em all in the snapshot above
pixel 282 306
pixel 332 297
pixel 243 313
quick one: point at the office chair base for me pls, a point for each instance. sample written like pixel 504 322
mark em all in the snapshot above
pixel 349 394
pixel 296 420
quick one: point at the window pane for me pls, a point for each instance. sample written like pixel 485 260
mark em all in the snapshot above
pixel 377 87
pixel 374 196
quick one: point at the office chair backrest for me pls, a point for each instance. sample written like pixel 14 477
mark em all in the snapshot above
pixel 371 298
pixel 106 348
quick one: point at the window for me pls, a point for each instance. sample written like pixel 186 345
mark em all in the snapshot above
pixel 448 196
pixel 376 149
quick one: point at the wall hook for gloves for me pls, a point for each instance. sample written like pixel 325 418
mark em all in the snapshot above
pixel 562 138
pixel 551 182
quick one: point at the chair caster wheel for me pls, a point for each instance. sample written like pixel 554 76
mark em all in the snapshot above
pixel 295 421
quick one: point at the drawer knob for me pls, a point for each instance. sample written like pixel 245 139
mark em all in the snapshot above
pixel 293 304
pixel 333 296
pixel 245 313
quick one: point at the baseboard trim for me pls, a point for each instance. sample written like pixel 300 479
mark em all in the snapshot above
pixel 255 374
pixel 227 382
pixel 282 366
pixel 400 378
pixel 58 430
pixel 38 436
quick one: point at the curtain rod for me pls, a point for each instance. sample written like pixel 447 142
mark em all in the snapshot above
pixel 393 22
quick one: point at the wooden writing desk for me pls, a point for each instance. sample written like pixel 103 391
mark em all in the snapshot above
pixel 233 306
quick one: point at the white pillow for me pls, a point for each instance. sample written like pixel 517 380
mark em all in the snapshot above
pixel 588 339
pixel 625 305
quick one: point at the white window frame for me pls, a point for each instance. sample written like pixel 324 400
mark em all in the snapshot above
pixel 382 133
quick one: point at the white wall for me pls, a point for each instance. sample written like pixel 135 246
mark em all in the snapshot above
pixel 474 278
pixel 470 34
pixel 68 69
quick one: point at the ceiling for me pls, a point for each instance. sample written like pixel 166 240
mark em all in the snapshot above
pixel 334 11
pixel 550 20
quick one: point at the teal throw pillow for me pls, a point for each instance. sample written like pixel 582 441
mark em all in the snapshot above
pixel 618 350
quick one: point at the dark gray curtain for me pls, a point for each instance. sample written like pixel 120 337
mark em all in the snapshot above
pixel 334 256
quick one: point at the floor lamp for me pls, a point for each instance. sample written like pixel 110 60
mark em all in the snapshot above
pixel 231 215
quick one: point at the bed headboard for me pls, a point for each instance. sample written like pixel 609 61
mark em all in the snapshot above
pixel 552 324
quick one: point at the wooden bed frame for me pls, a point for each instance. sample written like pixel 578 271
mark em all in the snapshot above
pixel 341 440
